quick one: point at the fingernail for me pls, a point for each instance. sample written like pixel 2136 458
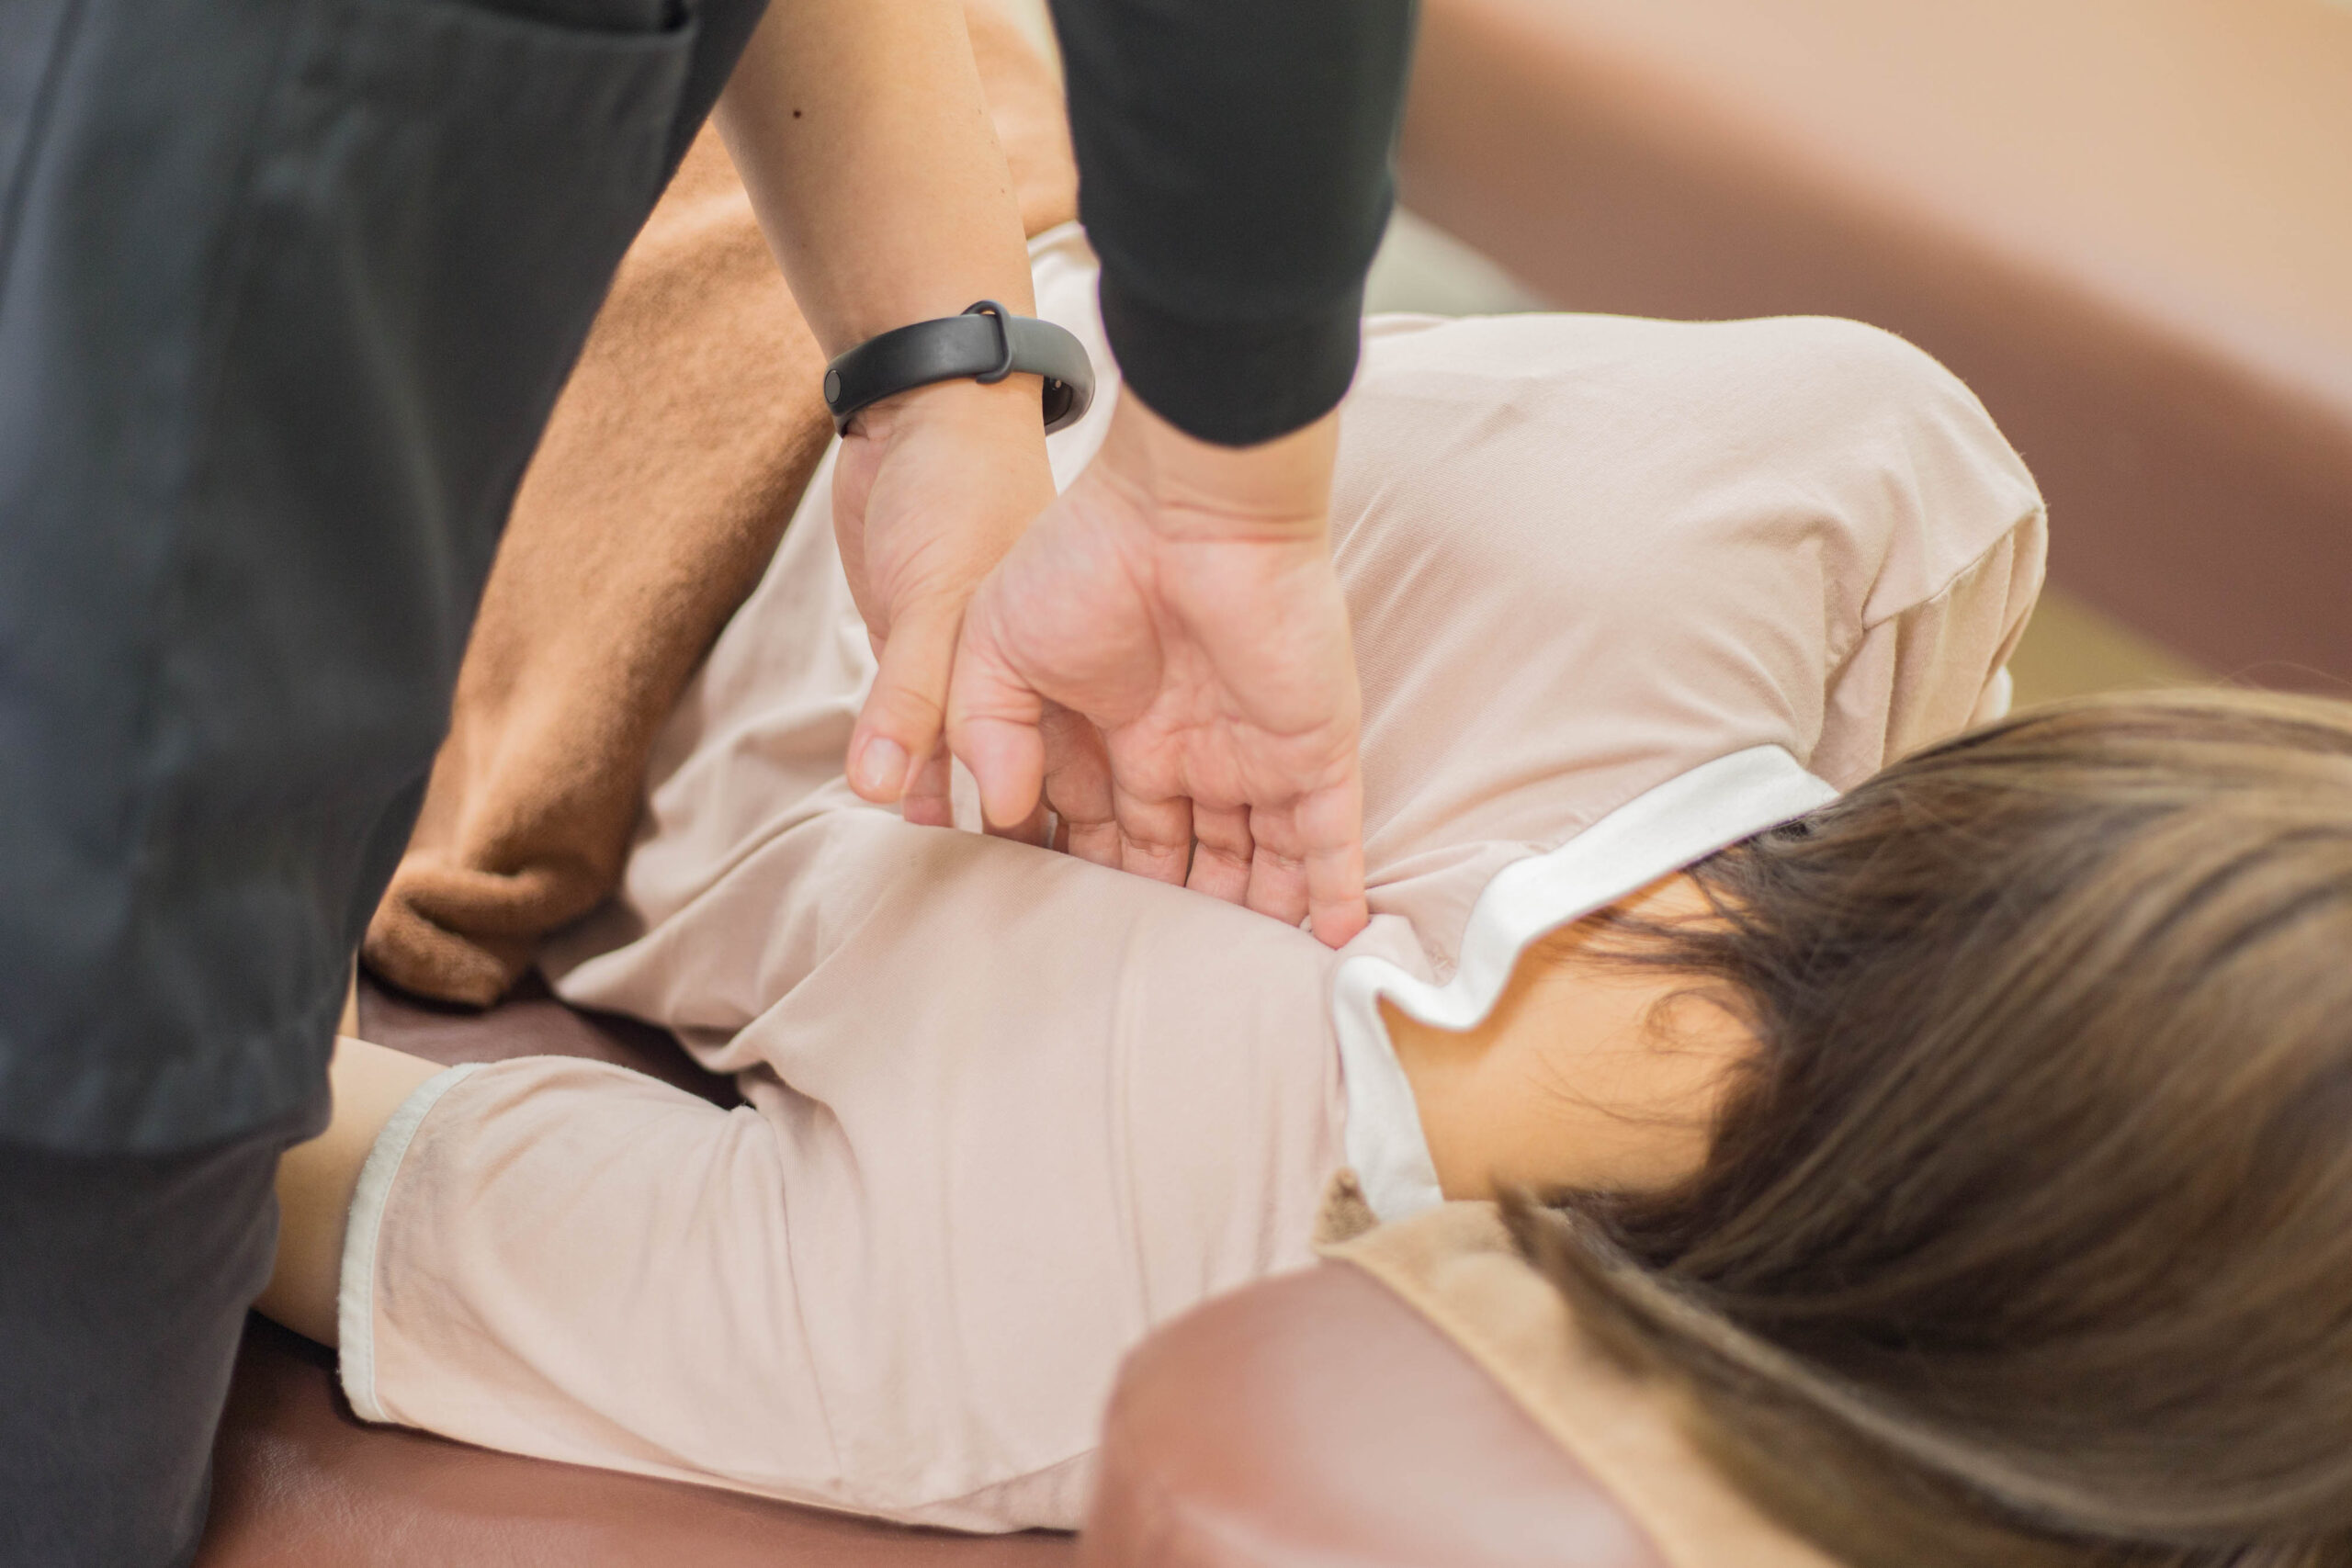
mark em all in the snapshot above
pixel 881 767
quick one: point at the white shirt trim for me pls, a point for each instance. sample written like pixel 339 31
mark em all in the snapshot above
pixel 1681 821
pixel 354 1303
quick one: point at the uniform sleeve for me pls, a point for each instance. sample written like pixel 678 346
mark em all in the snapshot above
pixel 1937 666
pixel 1233 176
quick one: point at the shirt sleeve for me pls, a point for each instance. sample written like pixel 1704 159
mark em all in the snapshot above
pixel 1234 176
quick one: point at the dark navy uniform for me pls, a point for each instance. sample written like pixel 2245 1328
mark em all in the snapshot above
pixel 288 288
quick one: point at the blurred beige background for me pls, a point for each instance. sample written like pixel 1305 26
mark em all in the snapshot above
pixel 2070 649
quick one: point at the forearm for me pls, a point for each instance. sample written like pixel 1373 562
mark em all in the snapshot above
pixel 1234 157
pixel 862 136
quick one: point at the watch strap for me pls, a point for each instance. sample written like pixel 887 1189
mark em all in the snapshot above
pixel 986 343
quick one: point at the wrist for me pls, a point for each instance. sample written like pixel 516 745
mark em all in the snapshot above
pixel 1006 408
pixel 986 344
pixel 1189 489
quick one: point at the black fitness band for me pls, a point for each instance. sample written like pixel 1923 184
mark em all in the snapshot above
pixel 985 342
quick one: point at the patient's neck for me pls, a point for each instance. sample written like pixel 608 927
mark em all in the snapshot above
pixel 1587 1073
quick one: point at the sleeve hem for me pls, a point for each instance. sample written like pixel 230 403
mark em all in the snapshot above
pixel 356 1286
pixel 1236 383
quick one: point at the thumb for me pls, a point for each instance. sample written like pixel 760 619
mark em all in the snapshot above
pixel 992 722
pixel 900 725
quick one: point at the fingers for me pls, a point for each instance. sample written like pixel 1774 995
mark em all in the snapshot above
pixel 929 803
pixel 1036 830
pixel 1155 836
pixel 1330 831
pixel 992 723
pixel 1277 886
pixel 1336 908
pixel 1308 861
pixel 900 726
pixel 1078 786
pixel 1222 854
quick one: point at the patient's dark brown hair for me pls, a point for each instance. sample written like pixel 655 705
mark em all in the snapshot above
pixel 2026 1236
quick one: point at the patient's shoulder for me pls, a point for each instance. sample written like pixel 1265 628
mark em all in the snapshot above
pixel 1568 437
pixel 1585 553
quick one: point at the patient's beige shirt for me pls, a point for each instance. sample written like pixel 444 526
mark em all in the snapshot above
pixel 1008 1111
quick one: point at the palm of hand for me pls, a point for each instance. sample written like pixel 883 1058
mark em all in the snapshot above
pixel 1208 711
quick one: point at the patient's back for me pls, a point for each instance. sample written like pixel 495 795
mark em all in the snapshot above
pixel 1584 556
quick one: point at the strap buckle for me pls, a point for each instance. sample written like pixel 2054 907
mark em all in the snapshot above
pixel 995 313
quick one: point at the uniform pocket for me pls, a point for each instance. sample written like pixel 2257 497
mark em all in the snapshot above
pixel 438 197
pixel 441 197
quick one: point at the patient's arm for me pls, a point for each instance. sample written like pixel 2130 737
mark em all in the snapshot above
pixel 315 1181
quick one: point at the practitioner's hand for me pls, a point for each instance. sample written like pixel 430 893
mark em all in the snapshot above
pixel 1181 596
pixel 930 489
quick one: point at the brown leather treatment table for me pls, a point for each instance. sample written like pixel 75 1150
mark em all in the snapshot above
pixel 2127 223
pixel 1313 1419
